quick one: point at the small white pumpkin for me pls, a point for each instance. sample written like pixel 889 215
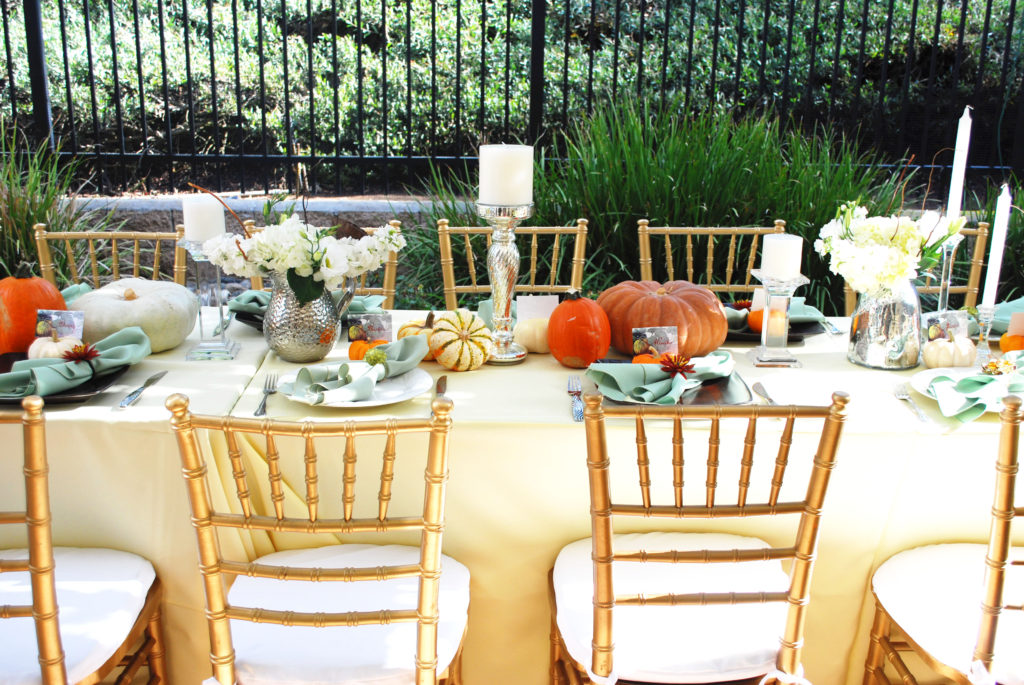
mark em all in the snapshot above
pixel 943 352
pixel 533 335
pixel 166 311
pixel 460 340
pixel 51 346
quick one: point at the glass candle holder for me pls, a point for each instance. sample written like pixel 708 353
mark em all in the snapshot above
pixel 503 271
pixel 775 325
pixel 218 345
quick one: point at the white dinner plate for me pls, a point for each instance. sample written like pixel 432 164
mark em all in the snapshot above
pixel 387 391
pixel 921 380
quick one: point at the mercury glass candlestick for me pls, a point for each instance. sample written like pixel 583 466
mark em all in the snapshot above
pixel 986 312
pixel 775 324
pixel 503 270
pixel 218 345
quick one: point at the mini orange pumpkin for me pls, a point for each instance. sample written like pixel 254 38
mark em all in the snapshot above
pixel 645 359
pixel 357 349
pixel 578 331
pixel 1009 343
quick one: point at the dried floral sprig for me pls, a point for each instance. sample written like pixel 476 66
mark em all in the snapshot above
pixel 741 304
pixel 81 353
pixel 676 364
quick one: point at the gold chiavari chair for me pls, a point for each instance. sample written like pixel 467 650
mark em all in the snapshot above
pixel 86 254
pixel 698 607
pixel 325 622
pixel 528 281
pixel 948 600
pixel 363 287
pixel 71 615
pixel 741 241
pixel 976 239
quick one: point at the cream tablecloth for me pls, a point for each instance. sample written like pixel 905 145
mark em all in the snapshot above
pixel 518 491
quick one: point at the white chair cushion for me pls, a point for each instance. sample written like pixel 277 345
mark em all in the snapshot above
pixel 695 644
pixel 100 593
pixel 934 594
pixel 268 654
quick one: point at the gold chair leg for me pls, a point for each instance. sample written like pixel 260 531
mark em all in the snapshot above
pixel 874 665
pixel 157 662
pixel 554 665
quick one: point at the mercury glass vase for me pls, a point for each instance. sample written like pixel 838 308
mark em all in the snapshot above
pixel 885 332
pixel 300 331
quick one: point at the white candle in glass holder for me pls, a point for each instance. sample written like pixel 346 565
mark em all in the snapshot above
pixel 506 175
pixel 758 299
pixel 956 182
pixel 203 217
pixel 780 255
pixel 995 255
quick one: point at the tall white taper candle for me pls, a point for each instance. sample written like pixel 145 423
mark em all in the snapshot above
pixel 995 255
pixel 506 175
pixel 956 183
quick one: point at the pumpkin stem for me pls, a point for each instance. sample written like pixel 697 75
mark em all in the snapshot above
pixel 130 294
pixel 572 294
pixel 429 323
pixel 25 270
pixel 660 291
pixel 53 334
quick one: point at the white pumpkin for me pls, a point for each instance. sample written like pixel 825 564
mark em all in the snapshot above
pixel 533 335
pixel 166 311
pixel 956 351
pixel 51 346
pixel 460 340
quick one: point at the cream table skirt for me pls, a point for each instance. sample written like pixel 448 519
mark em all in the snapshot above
pixel 518 492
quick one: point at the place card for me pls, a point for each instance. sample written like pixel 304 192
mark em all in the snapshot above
pixel 67 324
pixel 535 306
pixel 1016 326
pixel 656 340
pixel 376 326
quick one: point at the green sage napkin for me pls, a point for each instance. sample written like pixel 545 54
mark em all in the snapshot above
pixel 256 301
pixel 1001 319
pixel 354 382
pixel 969 397
pixel 73 292
pixel 736 318
pixel 49 376
pixel 800 312
pixel 485 310
pixel 648 383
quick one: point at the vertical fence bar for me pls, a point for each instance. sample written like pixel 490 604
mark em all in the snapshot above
pixel 565 67
pixel 483 68
pixel 10 61
pixel 139 76
pixel 408 78
pixel 929 97
pixel 97 144
pixel 615 51
pixel 41 116
pixel 812 62
pixel 664 53
pixel 960 34
pixel 239 120
pixel 335 102
pixel 740 36
pixel 458 78
pixel 311 84
pixel 907 68
pixel 883 81
pixel 1018 162
pixel 168 129
pixel 72 129
pixel 840 19
pixel 263 97
pixel 433 78
pixel 537 21
pixel 118 115
pixel 188 88
pixel 591 50
pixel 761 82
pixel 689 53
pixel 384 85
pixel 789 60
pixel 360 111
pixel 715 37
pixel 508 64
pixel 289 139
pixel 860 52
pixel 984 48
pixel 640 52
pixel 214 106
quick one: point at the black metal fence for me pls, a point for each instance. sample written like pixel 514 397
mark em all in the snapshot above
pixel 330 96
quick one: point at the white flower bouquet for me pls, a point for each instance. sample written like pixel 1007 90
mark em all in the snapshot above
pixel 877 253
pixel 312 258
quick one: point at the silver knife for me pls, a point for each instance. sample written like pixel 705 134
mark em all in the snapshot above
pixel 133 397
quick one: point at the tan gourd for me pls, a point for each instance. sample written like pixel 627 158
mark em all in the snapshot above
pixel 953 351
pixel 533 335
pixel 460 340
pixel 419 327
pixel 51 346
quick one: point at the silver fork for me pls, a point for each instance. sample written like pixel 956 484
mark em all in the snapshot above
pixel 902 392
pixel 575 389
pixel 269 388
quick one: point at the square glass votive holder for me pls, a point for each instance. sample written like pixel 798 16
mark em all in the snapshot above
pixel 216 345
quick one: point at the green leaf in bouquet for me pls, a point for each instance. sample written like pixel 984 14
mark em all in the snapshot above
pixel 305 288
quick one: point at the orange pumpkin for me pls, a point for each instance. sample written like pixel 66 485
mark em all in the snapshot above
pixel 21 295
pixel 1009 343
pixel 696 313
pixel 357 349
pixel 645 359
pixel 755 319
pixel 578 331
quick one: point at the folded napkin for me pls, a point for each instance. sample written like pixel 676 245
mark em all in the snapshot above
pixel 801 312
pixel 969 397
pixel 73 292
pixel 485 310
pixel 256 301
pixel 49 376
pixel 648 383
pixel 354 382
pixel 736 318
pixel 1001 319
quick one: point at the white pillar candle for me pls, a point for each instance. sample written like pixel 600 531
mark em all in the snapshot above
pixel 956 183
pixel 780 255
pixel 203 217
pixel 506 175
pixel 758 300
pixel 995 255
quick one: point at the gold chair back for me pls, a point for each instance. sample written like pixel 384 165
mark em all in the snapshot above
pixel 36 518
pixel 975 240
pixel 739 258
pixel 529 282
pixel 216 569
pixel 97 255
pixel 801 552
pixel 363 284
